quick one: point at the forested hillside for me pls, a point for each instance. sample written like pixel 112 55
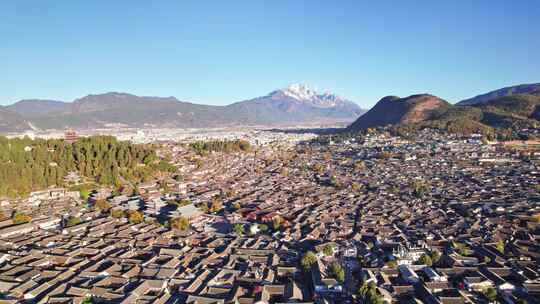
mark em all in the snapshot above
pixel 27 165
pixel 503 118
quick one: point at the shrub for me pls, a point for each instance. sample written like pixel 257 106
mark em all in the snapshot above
pixel 73 220
pixel 21 218
pixel 135 217
pixel 179 223
pixel 308 260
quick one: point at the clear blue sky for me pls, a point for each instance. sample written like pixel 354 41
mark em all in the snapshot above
pixel 218 52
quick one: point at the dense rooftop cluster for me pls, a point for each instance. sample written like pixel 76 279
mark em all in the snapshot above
pixel 370 219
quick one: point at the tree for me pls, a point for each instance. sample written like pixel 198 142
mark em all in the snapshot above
pixel 216 205
pixel 337 272
pixel 363 289
pixel 462 249
pixel 227 146
pixel 88 300
pixel 391 264
pixel 369 293
pixel 117 213
pixel 204 207
pixel 135 217
pixel 356 187
pixel 179 223
pixel 73 220
pixel 435 256
pixel 425 260
pixel 230 194
pixel 199 163
pixel 276 222
pixel 318 168
pixel 21 218
pixel 102 158
pixel 263 227
pixel 238 229
pixel 501 246
pixel 181 203
pixel 308 260
pixel 103 206
pixel 375 298
pixel 491 294
pixel 419 189
pixel 84 194
pixel 362 261
pixel 328 250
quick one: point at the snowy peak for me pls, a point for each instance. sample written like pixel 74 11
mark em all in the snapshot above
pixel 299 92
pixel 304 94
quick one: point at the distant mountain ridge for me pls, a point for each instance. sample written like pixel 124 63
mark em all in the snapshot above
pixel 292 105
pixel 507 91
pixel 37 107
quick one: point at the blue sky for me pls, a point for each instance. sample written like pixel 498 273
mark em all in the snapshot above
pixel 218 52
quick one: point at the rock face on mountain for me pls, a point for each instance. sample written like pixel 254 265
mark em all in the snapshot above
pixel 531 89
pixel 293 105
pixel 393 110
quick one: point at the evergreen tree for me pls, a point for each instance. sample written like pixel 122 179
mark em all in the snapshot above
pixel 28 165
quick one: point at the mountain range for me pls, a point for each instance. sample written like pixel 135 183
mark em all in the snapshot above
pixel 296 104
pixel 513 90
pixel 507 109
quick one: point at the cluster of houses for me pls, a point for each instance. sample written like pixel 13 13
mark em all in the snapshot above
pixel 439 219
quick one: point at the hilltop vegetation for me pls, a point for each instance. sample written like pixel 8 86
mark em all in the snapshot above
pixel 500 118
pixel 392 110
pixel 27 165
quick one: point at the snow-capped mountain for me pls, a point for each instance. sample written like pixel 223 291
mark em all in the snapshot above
pixel 296 104
pixel 299 91
pixel 304 93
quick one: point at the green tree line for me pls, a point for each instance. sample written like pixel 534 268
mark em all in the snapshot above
pixel 203 147
pixel 27 165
